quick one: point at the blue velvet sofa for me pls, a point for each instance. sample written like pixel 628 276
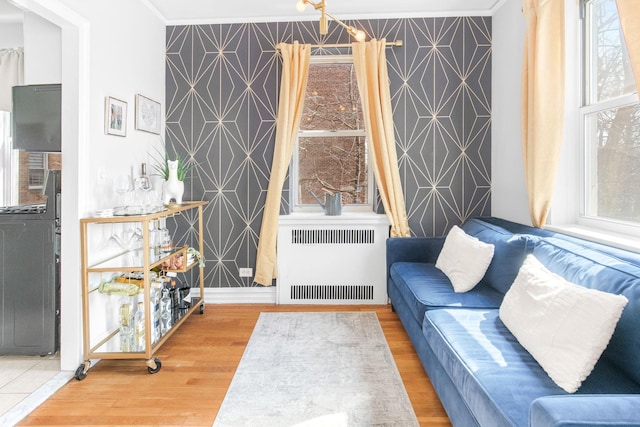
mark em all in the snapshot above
pixel 482 375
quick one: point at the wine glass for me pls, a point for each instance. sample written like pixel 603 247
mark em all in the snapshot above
pixel 123 185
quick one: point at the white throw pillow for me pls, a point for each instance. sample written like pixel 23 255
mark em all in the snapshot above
pixel 464 259
pixel 564 326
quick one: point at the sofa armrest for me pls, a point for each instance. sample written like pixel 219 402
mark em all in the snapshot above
pixel 593 410
pixel 413 249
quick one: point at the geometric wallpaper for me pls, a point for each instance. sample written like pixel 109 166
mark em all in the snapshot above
pixel 222 85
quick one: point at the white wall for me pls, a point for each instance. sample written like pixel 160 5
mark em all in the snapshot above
pixel 127 57
pixel 508 189
pixel 10 35
pixel 566 198
pixel 509 196
pixel 114 48
pixel 42 51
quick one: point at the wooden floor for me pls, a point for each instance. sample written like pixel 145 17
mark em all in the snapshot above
pixel 198 363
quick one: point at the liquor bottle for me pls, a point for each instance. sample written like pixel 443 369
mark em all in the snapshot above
pixel 143 182
pixel 156 291
pixel 165 311
pixel 139 328
pixel 126 325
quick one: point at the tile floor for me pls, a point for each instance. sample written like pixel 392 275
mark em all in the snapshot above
pixel 26 382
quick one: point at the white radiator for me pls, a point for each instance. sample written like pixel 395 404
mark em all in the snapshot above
pixel 332 259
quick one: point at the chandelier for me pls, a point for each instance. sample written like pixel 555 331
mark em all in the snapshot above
pixel 321 5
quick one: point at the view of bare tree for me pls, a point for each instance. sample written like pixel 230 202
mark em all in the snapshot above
pixel 618 129
pixel 330 161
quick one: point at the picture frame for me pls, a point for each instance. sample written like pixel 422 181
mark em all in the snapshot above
pixel 147 114
pixel 115 117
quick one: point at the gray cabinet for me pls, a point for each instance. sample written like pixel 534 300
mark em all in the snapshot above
pixel 28 286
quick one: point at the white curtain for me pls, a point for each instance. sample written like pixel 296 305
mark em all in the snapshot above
pixel 542 103
pixel 11 74
pixel 293 84
pixel 629 11
pixel 370 62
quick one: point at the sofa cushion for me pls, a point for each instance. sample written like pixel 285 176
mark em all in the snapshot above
pixel 564 326
pixel 496 376
pixel 424 287
pixel 509 252
pixel 464 259
pixel 597 270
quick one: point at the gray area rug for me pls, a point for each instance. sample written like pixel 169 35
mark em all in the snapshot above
pixel 316 369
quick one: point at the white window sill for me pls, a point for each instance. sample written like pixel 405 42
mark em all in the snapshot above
pixel 617 240
pixel 347 218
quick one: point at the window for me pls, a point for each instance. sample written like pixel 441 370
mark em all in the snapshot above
pixel 37 167
pixel 610 117
pixel 331 154
pixel 5 158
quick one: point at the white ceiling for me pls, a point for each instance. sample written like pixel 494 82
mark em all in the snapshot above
pixel 231 11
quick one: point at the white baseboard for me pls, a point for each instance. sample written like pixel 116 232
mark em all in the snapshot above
pixel 253 295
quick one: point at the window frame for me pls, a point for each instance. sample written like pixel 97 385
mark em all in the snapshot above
pixel 6 159
pixel 294 192
pixel 589 105
pixel 41 161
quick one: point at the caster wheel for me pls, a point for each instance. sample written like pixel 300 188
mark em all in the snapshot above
pixel 201 308
pixel 157 365
pixel 81 372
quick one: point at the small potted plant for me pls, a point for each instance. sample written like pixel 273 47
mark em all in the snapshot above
pixel 173 172
pixel 162 165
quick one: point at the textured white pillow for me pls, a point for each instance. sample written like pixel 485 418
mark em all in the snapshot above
pixel 564 326
pixel 464 259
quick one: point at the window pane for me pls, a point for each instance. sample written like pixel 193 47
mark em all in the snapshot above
pixel 613 164
pixel 335 164
pixel 36 178
pixel 332 101
pixel 607 59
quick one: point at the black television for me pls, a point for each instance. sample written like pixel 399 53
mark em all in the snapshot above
pixel 37 117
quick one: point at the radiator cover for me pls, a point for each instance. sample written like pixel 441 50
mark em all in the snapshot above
pixel 332 259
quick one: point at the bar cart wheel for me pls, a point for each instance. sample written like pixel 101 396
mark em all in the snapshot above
pixel 81 372
pixel 202 308
pixel 154 365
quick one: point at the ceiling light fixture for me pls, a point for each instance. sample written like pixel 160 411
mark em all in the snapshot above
pixel 321 5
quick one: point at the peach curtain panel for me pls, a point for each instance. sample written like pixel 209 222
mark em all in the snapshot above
pixel 629 11
pixel 293 83
pixel 542 112
pixel 11 74
pixel 370 63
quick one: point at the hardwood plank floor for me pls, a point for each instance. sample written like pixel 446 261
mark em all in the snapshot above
pixel 198 363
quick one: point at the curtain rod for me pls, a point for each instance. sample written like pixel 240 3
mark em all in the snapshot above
pixel 395 43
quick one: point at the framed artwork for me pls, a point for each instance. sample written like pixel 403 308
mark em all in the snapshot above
pixel 115 117
pixel 147 114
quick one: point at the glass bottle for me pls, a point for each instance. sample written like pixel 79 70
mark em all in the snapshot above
pixel 143 183
pixel 139 327
pixel 165 237
pixel 156 290
pixel 126 325
pixel 165 311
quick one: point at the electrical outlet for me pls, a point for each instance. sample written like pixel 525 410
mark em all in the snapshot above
pixel 245 272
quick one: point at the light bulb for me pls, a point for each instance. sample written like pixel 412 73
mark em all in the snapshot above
pixel 301 5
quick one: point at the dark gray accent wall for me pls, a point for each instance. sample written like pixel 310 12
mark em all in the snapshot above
pixel 222 95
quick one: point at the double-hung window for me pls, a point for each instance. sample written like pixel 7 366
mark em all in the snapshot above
pixel 331 154
pixel 610 120
pixel 37 168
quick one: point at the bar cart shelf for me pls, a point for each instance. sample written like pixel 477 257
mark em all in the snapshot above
pixel 98 306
